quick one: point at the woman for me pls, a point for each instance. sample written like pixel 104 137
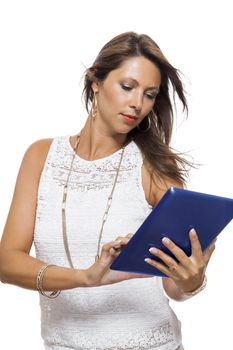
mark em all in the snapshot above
pixel 80 198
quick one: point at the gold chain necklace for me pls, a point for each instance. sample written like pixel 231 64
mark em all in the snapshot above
pixel 109 202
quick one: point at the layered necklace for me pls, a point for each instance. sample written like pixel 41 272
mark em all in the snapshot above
pixel 64 200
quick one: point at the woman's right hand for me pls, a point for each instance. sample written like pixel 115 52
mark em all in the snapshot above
pixel 100 274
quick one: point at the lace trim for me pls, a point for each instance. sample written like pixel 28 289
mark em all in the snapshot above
pixel 161 338
pixel 88 175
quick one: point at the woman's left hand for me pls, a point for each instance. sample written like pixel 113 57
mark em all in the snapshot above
pixel 188 273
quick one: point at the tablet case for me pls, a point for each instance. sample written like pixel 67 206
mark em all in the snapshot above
pixel 177 212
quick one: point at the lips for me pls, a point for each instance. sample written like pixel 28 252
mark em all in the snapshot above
pixel 129 116
pixel 129 119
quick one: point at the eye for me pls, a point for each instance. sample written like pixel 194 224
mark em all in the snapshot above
pixel 126 87
pixel 151 97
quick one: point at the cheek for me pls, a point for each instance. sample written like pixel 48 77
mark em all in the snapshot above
pixel 113 95
pixel 148 106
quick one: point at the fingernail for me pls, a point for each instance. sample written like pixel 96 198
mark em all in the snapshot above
pixel 166 240
pixel 153 250
pixel 147 260
pixel 193 232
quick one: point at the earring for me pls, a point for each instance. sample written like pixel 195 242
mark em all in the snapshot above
pixel 94 107
pixel 149 125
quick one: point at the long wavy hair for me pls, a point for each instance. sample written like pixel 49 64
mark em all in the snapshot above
pixel 154 144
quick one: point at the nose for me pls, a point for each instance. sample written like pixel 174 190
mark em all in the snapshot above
pixel 136 101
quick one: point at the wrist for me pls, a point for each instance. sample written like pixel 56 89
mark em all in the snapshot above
pixel 197 290
pixel 81 278
pixel 90 277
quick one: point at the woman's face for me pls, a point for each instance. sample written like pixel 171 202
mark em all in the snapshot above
pixel 127 95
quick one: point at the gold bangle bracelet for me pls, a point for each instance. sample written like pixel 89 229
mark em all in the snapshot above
pixel 39 283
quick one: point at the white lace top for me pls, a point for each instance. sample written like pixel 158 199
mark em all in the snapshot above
pixel 133 314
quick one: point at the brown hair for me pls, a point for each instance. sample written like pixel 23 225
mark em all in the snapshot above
pixel 154 143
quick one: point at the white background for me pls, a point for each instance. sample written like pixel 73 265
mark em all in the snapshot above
pixel 45 47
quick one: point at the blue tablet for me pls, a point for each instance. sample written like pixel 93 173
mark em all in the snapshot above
pixel 177 212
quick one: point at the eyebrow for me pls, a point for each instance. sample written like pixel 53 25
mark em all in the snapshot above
pixel 149 88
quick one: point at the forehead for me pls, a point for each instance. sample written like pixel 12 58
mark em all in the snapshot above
pixel 138 68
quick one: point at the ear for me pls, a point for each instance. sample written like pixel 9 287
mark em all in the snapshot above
pixel 95 86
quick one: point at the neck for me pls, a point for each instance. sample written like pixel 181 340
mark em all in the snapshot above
pixel 97 141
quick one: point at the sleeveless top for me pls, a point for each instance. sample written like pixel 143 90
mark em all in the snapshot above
pixel 132 314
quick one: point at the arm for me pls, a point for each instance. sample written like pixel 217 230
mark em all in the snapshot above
pixel 187 275
pixel 16 265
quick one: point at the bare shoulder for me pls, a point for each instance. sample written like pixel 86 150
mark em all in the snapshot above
pixel 161 185
pixel 155 188
pixel 37 152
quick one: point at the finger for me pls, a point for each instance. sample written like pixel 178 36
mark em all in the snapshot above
pixel 169 263
pixel 108 246
pixel 159 266
pixel 118 243
pixel 109 252
pixel 124 240
pixel 195 244
pixel 208 252
pixel 176 251
pixel 114 251
pixel 129 235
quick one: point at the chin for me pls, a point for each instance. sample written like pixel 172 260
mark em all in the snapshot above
pixel 123 132
pixel 124 129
